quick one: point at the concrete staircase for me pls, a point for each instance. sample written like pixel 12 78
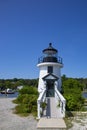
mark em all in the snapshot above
pixel 52 119
pixel 51 124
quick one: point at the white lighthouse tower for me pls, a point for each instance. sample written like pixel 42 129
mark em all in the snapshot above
pixel 49 86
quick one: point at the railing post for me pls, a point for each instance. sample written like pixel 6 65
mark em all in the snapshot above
pixel 64 104
pixel 62 100
pixel 38 109
pixel 41 98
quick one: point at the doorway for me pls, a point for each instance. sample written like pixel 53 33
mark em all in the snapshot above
pixel 50 91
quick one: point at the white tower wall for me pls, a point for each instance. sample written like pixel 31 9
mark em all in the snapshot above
pixel 57 72
pixel 43 72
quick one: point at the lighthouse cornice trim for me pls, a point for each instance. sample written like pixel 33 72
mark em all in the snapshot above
pixel 50 63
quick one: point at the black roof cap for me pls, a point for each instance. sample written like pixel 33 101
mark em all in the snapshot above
pixel 50 49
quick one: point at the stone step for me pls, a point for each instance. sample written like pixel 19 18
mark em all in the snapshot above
pixel 51 129
pixel 51 124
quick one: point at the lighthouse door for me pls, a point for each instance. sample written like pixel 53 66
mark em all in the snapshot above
pixel 50 88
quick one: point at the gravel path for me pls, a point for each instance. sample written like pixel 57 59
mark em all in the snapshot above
pixel 10 121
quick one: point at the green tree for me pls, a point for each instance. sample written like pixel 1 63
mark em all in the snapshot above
pixel 73 94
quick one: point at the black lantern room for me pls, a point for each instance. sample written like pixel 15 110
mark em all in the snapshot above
pixel 50 55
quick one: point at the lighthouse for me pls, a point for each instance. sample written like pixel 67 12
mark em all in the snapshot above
pixel 50 84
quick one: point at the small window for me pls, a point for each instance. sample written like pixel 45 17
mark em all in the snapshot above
pixel 50 69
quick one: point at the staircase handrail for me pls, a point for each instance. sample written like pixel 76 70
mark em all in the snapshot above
pixel 40 99
pixel 41 96
pixel 62 101
pixel 60 96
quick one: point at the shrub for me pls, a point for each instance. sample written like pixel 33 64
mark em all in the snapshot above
pixel 28 90
pixel 27 101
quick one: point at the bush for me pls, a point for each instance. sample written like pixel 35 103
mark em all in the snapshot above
pixel 27 101
pixel 28 90
pixel 22 108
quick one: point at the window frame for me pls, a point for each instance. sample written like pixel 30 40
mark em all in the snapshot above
pixel 50 69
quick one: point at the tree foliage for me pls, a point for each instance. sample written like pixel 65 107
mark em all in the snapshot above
pixel 14 83
pixel 73 93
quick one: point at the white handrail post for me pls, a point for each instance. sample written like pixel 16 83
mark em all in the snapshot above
pixel 38 109
pixel 61 99
pixel 40 99
pixel 64 105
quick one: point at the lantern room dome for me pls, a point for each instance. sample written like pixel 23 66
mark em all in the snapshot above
pixel 50 54
pixel 50 50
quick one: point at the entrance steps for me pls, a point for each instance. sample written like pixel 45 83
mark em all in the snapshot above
pixel 51 124
pixel 52 119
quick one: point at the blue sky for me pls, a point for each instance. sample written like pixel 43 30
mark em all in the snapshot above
pixel 28 26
